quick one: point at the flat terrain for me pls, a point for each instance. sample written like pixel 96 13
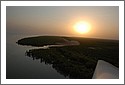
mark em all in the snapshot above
pixel 74 61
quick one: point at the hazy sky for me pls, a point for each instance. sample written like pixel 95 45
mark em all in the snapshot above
pixel 59 20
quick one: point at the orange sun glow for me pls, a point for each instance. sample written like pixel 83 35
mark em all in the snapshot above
pixel 82 27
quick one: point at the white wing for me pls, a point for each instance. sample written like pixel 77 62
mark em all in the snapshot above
pixel 105 70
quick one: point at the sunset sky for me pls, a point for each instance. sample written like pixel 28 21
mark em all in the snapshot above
pixel 60 20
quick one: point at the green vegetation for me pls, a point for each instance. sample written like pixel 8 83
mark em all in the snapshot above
pixel 77 62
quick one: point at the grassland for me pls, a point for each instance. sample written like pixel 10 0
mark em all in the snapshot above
pixel 76 62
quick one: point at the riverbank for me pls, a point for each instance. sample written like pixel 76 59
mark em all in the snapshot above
pixel 66 43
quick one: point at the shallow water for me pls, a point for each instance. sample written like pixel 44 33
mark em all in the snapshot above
pixel 47 46
pixel 19 66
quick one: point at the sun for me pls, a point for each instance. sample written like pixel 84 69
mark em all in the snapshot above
pixel 82 27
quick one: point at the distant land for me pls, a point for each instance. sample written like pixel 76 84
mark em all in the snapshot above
pixel 74 57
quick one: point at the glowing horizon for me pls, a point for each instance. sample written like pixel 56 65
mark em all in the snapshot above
pixel 52 20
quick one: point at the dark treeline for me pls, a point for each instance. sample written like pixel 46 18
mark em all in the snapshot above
pixel 40 40
pixel 66 62
pixel 77 62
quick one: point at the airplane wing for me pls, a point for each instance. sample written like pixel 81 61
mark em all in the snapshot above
pixel 105 70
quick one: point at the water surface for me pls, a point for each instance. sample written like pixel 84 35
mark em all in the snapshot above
pixel 19 66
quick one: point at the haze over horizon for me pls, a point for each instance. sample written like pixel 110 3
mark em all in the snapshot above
pixel 52 20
